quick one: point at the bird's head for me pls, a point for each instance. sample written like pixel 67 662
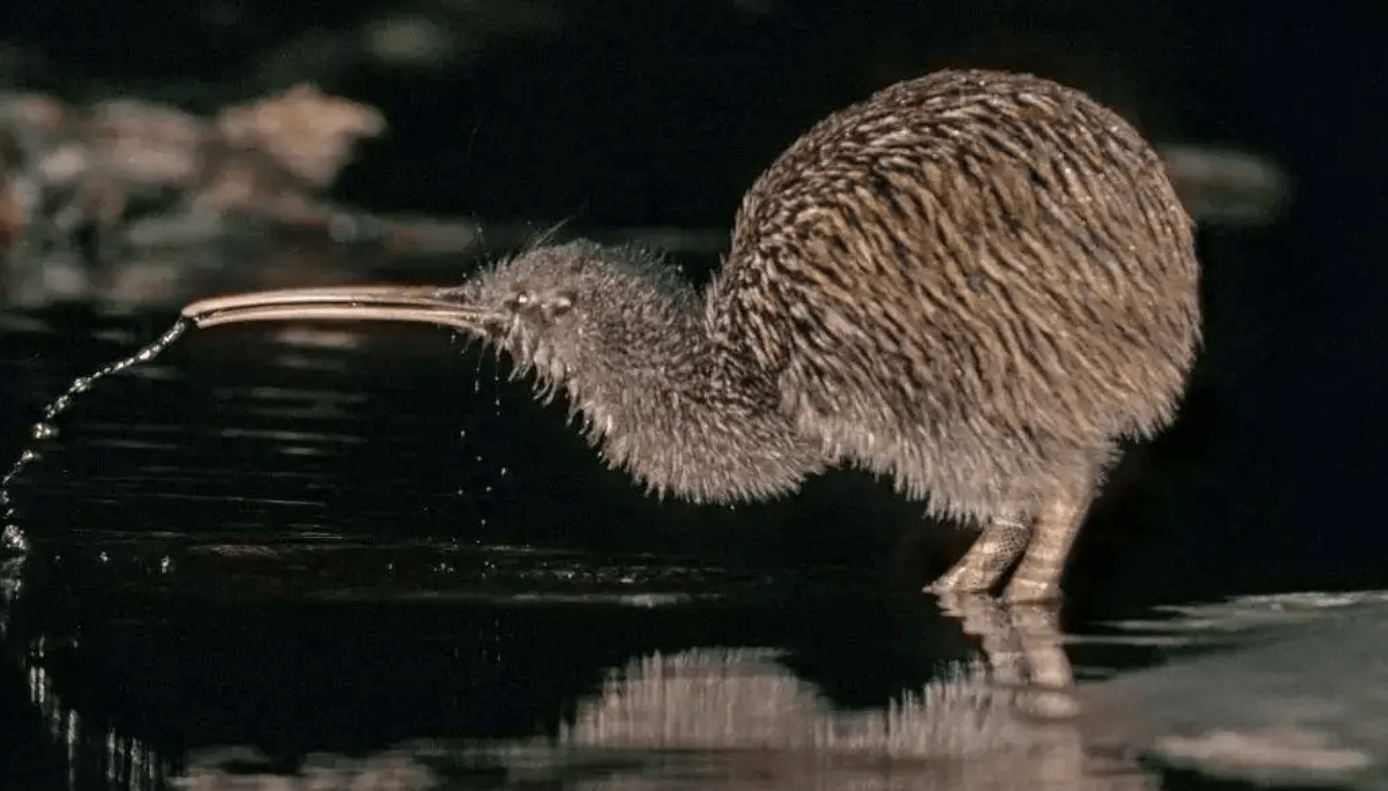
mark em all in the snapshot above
pixel 570 312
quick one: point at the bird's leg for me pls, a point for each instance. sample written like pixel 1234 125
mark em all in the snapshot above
pixel 1037 577
pixel 1002 541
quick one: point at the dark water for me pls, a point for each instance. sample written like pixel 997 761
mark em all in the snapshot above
pixel 336 559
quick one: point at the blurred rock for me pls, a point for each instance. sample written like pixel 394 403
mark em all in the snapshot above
pixel 1226 186
pixel 88 192
pixel 432 36
pixel 305 131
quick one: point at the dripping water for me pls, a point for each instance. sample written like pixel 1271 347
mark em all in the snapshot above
pixel 493 357
pixel 12 538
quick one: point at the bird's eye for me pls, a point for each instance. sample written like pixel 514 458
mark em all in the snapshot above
pixel 547 307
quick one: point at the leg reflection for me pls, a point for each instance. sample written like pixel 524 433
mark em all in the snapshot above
pixel 1022 644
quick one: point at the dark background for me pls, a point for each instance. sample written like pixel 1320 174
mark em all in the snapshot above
pixel 663 112
pixel 616 114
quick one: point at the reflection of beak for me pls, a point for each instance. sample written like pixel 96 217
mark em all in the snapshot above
pixel 425 304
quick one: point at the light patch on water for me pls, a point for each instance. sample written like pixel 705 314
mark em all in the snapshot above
pixel 1269 756
pixel 1296 693
pixel 1244 611
pixel 290 436
pixel 648 601
pixel 313 338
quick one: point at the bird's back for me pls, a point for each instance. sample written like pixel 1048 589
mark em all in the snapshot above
pixel 962 280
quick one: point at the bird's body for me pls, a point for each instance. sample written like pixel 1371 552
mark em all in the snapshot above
pixel 974 283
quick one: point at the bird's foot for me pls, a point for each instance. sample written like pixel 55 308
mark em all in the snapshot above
pixel 996 549
pixel 963 578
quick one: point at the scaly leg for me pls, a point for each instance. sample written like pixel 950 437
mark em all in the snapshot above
pixel 992 554
pixel 1037 577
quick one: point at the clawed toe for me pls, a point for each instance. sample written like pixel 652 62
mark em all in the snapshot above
pixel 959 580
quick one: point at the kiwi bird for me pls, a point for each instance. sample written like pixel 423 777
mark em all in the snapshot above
pixel 974 283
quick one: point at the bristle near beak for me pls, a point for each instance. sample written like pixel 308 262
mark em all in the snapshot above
pixel 424 304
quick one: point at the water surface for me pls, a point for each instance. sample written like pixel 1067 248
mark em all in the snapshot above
pixel 315 556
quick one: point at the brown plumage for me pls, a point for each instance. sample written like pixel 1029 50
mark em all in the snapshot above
pixel 974 283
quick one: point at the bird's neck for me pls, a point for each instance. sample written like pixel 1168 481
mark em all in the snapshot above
pixel 691 418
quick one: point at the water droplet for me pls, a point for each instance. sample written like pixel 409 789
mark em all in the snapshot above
pixel 504 471
pixel 81 384
pixel 462 434
pixel 13 539
pixel 60 405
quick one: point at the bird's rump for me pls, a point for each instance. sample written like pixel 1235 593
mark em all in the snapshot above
pixel 989 267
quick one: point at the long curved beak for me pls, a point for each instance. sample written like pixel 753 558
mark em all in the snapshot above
pixel 424 304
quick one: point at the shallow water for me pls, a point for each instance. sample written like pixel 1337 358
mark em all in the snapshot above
pixel 296 557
